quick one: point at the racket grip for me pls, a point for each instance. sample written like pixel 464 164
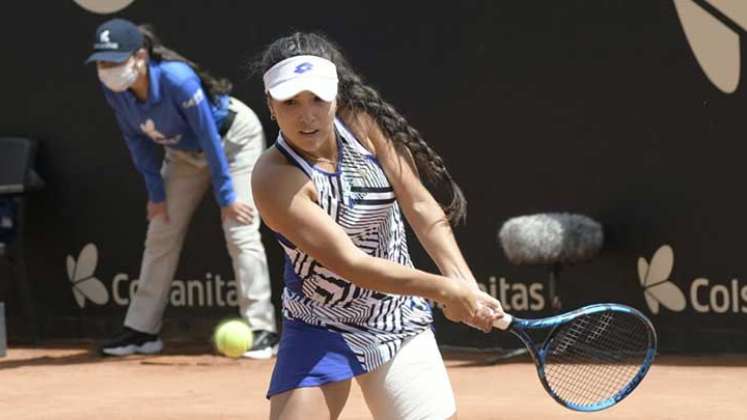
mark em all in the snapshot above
pixel 504 322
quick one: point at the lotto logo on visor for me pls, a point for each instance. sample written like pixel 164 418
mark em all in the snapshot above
pixel 294 75
pixel 302 68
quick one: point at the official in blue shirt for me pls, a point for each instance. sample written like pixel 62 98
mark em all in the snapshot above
pixel 164 101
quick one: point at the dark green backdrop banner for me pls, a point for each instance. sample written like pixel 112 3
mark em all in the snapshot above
pixel 612 109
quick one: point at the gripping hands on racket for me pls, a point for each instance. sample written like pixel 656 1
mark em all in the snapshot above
pixel 473 307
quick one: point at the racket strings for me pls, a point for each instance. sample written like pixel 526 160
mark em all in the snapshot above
pixel 594 357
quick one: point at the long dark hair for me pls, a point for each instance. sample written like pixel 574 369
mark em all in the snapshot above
pixel 213 86
pixel 356 96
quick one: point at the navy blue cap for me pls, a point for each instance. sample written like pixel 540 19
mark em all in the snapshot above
pixel 116 40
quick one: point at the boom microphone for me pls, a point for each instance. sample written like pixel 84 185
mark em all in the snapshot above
pixel 550 238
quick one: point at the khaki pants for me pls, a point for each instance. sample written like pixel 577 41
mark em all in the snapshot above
pixel 187 178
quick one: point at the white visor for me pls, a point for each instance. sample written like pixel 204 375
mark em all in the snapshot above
pixel 294 75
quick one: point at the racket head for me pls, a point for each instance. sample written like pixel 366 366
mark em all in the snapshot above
pixel 593 357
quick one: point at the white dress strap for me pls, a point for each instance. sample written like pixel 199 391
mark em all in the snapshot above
pixel 293 156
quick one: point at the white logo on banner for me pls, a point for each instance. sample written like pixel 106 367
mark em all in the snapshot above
pixel 705 296
pixel 80 274
pixel 712 39
pixel 212 291
pixel 515 296
pixel 103 6
pixel 654 278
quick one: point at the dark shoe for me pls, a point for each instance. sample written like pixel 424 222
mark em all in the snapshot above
pixel 130 342
pixel 264 345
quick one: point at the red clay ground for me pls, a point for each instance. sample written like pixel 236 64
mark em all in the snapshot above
pixel 188 382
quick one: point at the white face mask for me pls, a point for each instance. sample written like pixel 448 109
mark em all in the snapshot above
pixel 121 77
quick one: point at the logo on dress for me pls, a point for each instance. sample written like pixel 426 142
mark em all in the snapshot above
pixel 149 128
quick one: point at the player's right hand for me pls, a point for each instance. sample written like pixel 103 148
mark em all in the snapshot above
pixel 472 306
pixel 153 210
pixel 489 309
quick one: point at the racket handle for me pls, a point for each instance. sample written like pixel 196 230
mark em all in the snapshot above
pixel 504 322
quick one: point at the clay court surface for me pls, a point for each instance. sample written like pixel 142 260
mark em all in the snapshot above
pixel 67 381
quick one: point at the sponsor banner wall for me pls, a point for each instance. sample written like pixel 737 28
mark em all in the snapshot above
pixel 628 112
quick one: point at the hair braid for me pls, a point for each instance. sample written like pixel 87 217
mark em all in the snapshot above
pixel 355 95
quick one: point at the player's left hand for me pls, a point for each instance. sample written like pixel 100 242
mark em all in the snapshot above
pixel 239 211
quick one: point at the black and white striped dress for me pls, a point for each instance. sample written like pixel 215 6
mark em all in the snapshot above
pixel 333 329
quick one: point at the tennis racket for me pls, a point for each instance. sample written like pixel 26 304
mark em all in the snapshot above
pixel 592 357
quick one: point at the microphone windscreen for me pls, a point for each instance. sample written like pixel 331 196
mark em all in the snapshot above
pixel 550 238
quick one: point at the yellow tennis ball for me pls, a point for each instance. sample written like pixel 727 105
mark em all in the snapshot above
pixel 233 338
